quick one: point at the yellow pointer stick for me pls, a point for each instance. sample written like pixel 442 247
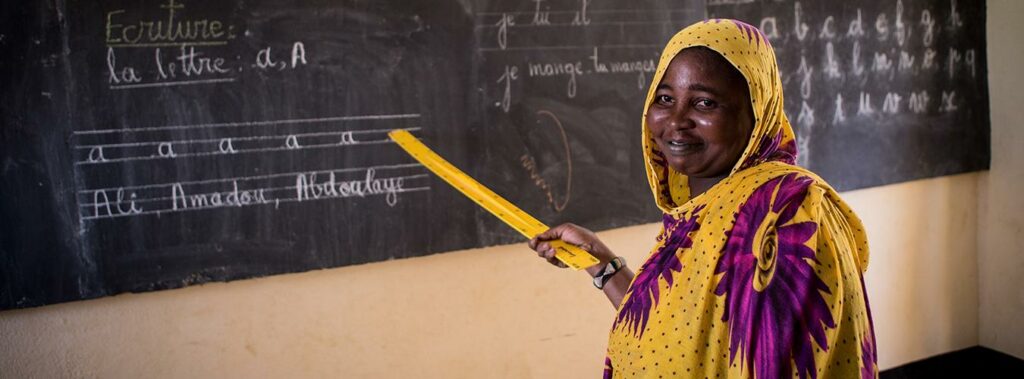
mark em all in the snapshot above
pixel 505 211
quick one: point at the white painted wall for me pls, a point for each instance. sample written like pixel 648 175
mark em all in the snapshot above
pixel 493 312
pixel 1001 195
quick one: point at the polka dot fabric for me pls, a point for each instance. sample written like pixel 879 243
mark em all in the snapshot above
pixel 760 276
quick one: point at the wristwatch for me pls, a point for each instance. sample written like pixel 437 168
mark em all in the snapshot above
pixel 609 270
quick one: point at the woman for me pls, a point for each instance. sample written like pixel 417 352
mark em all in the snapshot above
pixel 758 269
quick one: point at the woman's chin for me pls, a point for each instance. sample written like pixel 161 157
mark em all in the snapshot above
pixel 681 164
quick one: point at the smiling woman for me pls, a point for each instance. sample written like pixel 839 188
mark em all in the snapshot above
pixel 701 117
pixel 758 269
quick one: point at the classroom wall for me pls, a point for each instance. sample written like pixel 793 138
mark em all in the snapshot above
pixel 944 275
pixel 492 312
pixel 1001 205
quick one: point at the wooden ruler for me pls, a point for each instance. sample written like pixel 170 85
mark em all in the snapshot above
pixel 519 220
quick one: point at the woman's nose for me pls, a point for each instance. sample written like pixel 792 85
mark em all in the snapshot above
pixel 680 118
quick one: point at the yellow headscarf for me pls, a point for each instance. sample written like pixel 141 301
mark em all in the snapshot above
pixel 759 276
pixel 748 50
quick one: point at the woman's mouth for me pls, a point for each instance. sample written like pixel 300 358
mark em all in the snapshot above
pixel 680 147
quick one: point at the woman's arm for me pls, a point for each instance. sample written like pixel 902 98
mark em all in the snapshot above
pixel 615 288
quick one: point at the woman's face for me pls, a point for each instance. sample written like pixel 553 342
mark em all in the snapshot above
pixel 700 115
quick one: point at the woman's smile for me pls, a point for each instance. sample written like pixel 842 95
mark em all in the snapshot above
pixel 681 147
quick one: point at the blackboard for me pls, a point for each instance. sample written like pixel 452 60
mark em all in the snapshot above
pixel 156 144
pixel 879 92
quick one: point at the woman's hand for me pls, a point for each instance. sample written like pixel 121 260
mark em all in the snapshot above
pixel 572 234
pixel 616 287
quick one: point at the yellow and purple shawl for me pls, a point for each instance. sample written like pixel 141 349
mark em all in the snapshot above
pixel 760 276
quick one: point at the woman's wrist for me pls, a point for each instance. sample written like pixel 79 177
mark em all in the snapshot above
pixel 603 256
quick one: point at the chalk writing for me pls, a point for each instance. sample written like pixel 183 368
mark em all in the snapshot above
pixel 541 17
pixel 511 73
pixel 308 188
pixel 166 150
pixel 800 28
pixel 136 146
pixel 184 51
pixel 877 63
pixel 864 106
pixel 226 146
pixel 129 151
pixel 164 32
pixel 918 102
pixel 181 200
pixel 96 154
pixel 120 74
pixel 556 28
pixel 530 165
pixel 838 115
pixel 891 104
pixel 581 18
pixel 503 24
pixel 949 103
pixel 570 69
pixel 265 58
pixel 316 185
pixel 101 204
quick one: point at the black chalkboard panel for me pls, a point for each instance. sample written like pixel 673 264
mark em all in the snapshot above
pixel 879 92
pixel 156 144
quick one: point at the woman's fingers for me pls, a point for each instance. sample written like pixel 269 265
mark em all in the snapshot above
pixel 542 248
pixel 545 250
pixel 550 234
pixel 549 254
pixel 557 262
pixel 561 232
pixel 567 232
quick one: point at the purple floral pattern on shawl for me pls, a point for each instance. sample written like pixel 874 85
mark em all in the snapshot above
pixel 770 150
pixel 608 370
pixel 644 293
pixel 658 157
pixel 868 351
pixel 774 304
pixel 868 357
pixel 751 32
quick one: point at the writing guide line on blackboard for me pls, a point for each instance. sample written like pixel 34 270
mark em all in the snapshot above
pixel 174 83
pixel 347 136
pixel 250 123
pixel 304 190
pixel 541 9
pixel 113 205
pixel 384 180
pixel 168 150
pixel 165 150
pixel 162 147
pixel 169 44
pixel 128 148
pixel 529 27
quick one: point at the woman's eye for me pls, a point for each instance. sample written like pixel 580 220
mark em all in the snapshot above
pixel 705 104
pixel 663 99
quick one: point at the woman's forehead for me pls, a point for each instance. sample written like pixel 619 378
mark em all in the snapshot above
pixel 706 64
